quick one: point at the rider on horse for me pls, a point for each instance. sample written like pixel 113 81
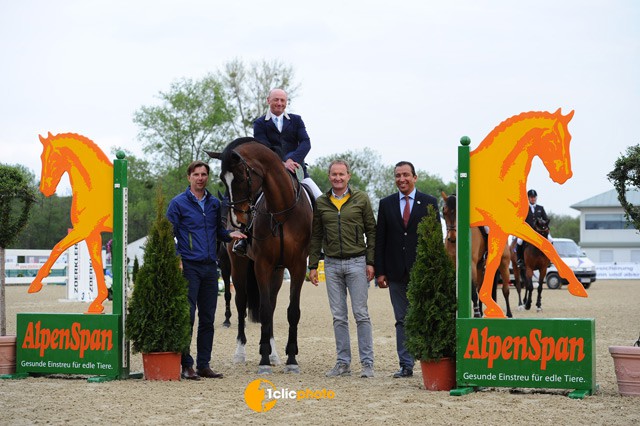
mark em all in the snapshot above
pixel 285 134
pixel 535 211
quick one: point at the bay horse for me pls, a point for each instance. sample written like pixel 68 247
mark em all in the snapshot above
pixel 518 277
pixel 478 251
pixel 500 166
pixel 91 177
pixel 276 209
pixel 224 261
pixel 535 260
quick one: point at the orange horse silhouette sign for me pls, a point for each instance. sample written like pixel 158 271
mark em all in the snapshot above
pixel 91 177
pixel 498 194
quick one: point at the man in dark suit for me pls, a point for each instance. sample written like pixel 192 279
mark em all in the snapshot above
pixel 396 244
pixel 535 211
pixel 286 134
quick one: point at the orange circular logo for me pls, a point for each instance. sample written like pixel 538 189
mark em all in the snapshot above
pixel 255 395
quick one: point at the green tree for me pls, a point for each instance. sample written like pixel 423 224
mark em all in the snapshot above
pixel 430 324
pixel 564 226
pixel 48 223
pixel 192 117
pixel 626 175
pixel 158 317
pixel 16 199
pixel 246 87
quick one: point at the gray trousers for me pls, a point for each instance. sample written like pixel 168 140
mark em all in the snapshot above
pixel 349 275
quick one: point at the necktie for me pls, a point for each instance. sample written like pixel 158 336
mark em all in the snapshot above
pixel 277 122
pixel 407 211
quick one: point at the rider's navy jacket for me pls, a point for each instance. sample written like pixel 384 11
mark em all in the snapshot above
pixel 196 231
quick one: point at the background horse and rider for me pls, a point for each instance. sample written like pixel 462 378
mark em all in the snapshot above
pixel 535 260
pixel 478 256
pixel 276 211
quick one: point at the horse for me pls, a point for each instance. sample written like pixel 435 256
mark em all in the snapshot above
pixel 518 279
pixel 224 261
pixel 478 251
pixel 499 167
pixel 277 211
pixel 535 260
pixel 91 177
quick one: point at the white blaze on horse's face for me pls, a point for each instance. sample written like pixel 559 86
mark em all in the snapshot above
pixel 228 180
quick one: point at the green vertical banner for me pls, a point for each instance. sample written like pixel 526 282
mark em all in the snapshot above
pixel 463 231
pixel 119 256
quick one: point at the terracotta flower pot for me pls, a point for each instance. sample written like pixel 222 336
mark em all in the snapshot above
pixel 626 361
pixel 439 375
pixel 161 365
pixel 7 354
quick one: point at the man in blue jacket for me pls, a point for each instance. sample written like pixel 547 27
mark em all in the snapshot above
pixel 197 227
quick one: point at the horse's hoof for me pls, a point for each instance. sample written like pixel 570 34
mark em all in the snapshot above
pixel 35 287
pixel 577 289
pixel 95 308
pixel 539 310
pixel 493 313
pixel 509 315
pixel 274 360
pixel 239 359
pixel 264 369
pixel 292 368
pixel 226 324
pixel 521 307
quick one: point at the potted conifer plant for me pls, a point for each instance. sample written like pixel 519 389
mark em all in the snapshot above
pixel 626 359
pixel 158 320
pixel 16 199
pixel 430 324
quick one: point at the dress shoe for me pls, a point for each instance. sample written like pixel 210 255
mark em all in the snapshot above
pixel 403 372
pixel 189 374
pixel 208 373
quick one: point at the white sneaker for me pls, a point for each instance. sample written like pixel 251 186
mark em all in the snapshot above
pixel 367 370
pixel 341 369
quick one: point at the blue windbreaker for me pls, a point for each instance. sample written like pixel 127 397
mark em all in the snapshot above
pixel 197 232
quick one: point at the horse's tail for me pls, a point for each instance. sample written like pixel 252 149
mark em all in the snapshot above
pixel 253 294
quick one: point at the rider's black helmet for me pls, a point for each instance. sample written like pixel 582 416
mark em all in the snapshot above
pixel 532 193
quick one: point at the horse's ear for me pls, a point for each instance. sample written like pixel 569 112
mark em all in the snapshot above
pixel 569 116
pixel 215 155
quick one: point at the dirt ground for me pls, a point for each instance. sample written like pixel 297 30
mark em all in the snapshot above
pixel 379 400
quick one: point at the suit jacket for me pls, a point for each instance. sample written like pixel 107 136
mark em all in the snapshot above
pixel 396 246
pixel 293 142
pixel 538 212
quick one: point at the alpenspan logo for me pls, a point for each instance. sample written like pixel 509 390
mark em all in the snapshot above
pixel 261 395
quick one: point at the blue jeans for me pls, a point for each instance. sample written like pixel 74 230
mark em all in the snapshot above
pixel 203 295
pixel 400 303
pixel 350 275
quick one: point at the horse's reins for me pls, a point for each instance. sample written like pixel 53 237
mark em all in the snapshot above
pixel 254 209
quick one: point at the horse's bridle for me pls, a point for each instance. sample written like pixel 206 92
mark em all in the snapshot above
pixel 252 211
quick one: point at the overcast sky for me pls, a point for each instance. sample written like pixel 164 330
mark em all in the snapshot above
pixel 405 78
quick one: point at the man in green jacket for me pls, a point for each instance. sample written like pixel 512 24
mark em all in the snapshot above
pixel 344 227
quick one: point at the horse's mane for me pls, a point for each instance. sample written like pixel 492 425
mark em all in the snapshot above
pixel 528 115
pixel 227 153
